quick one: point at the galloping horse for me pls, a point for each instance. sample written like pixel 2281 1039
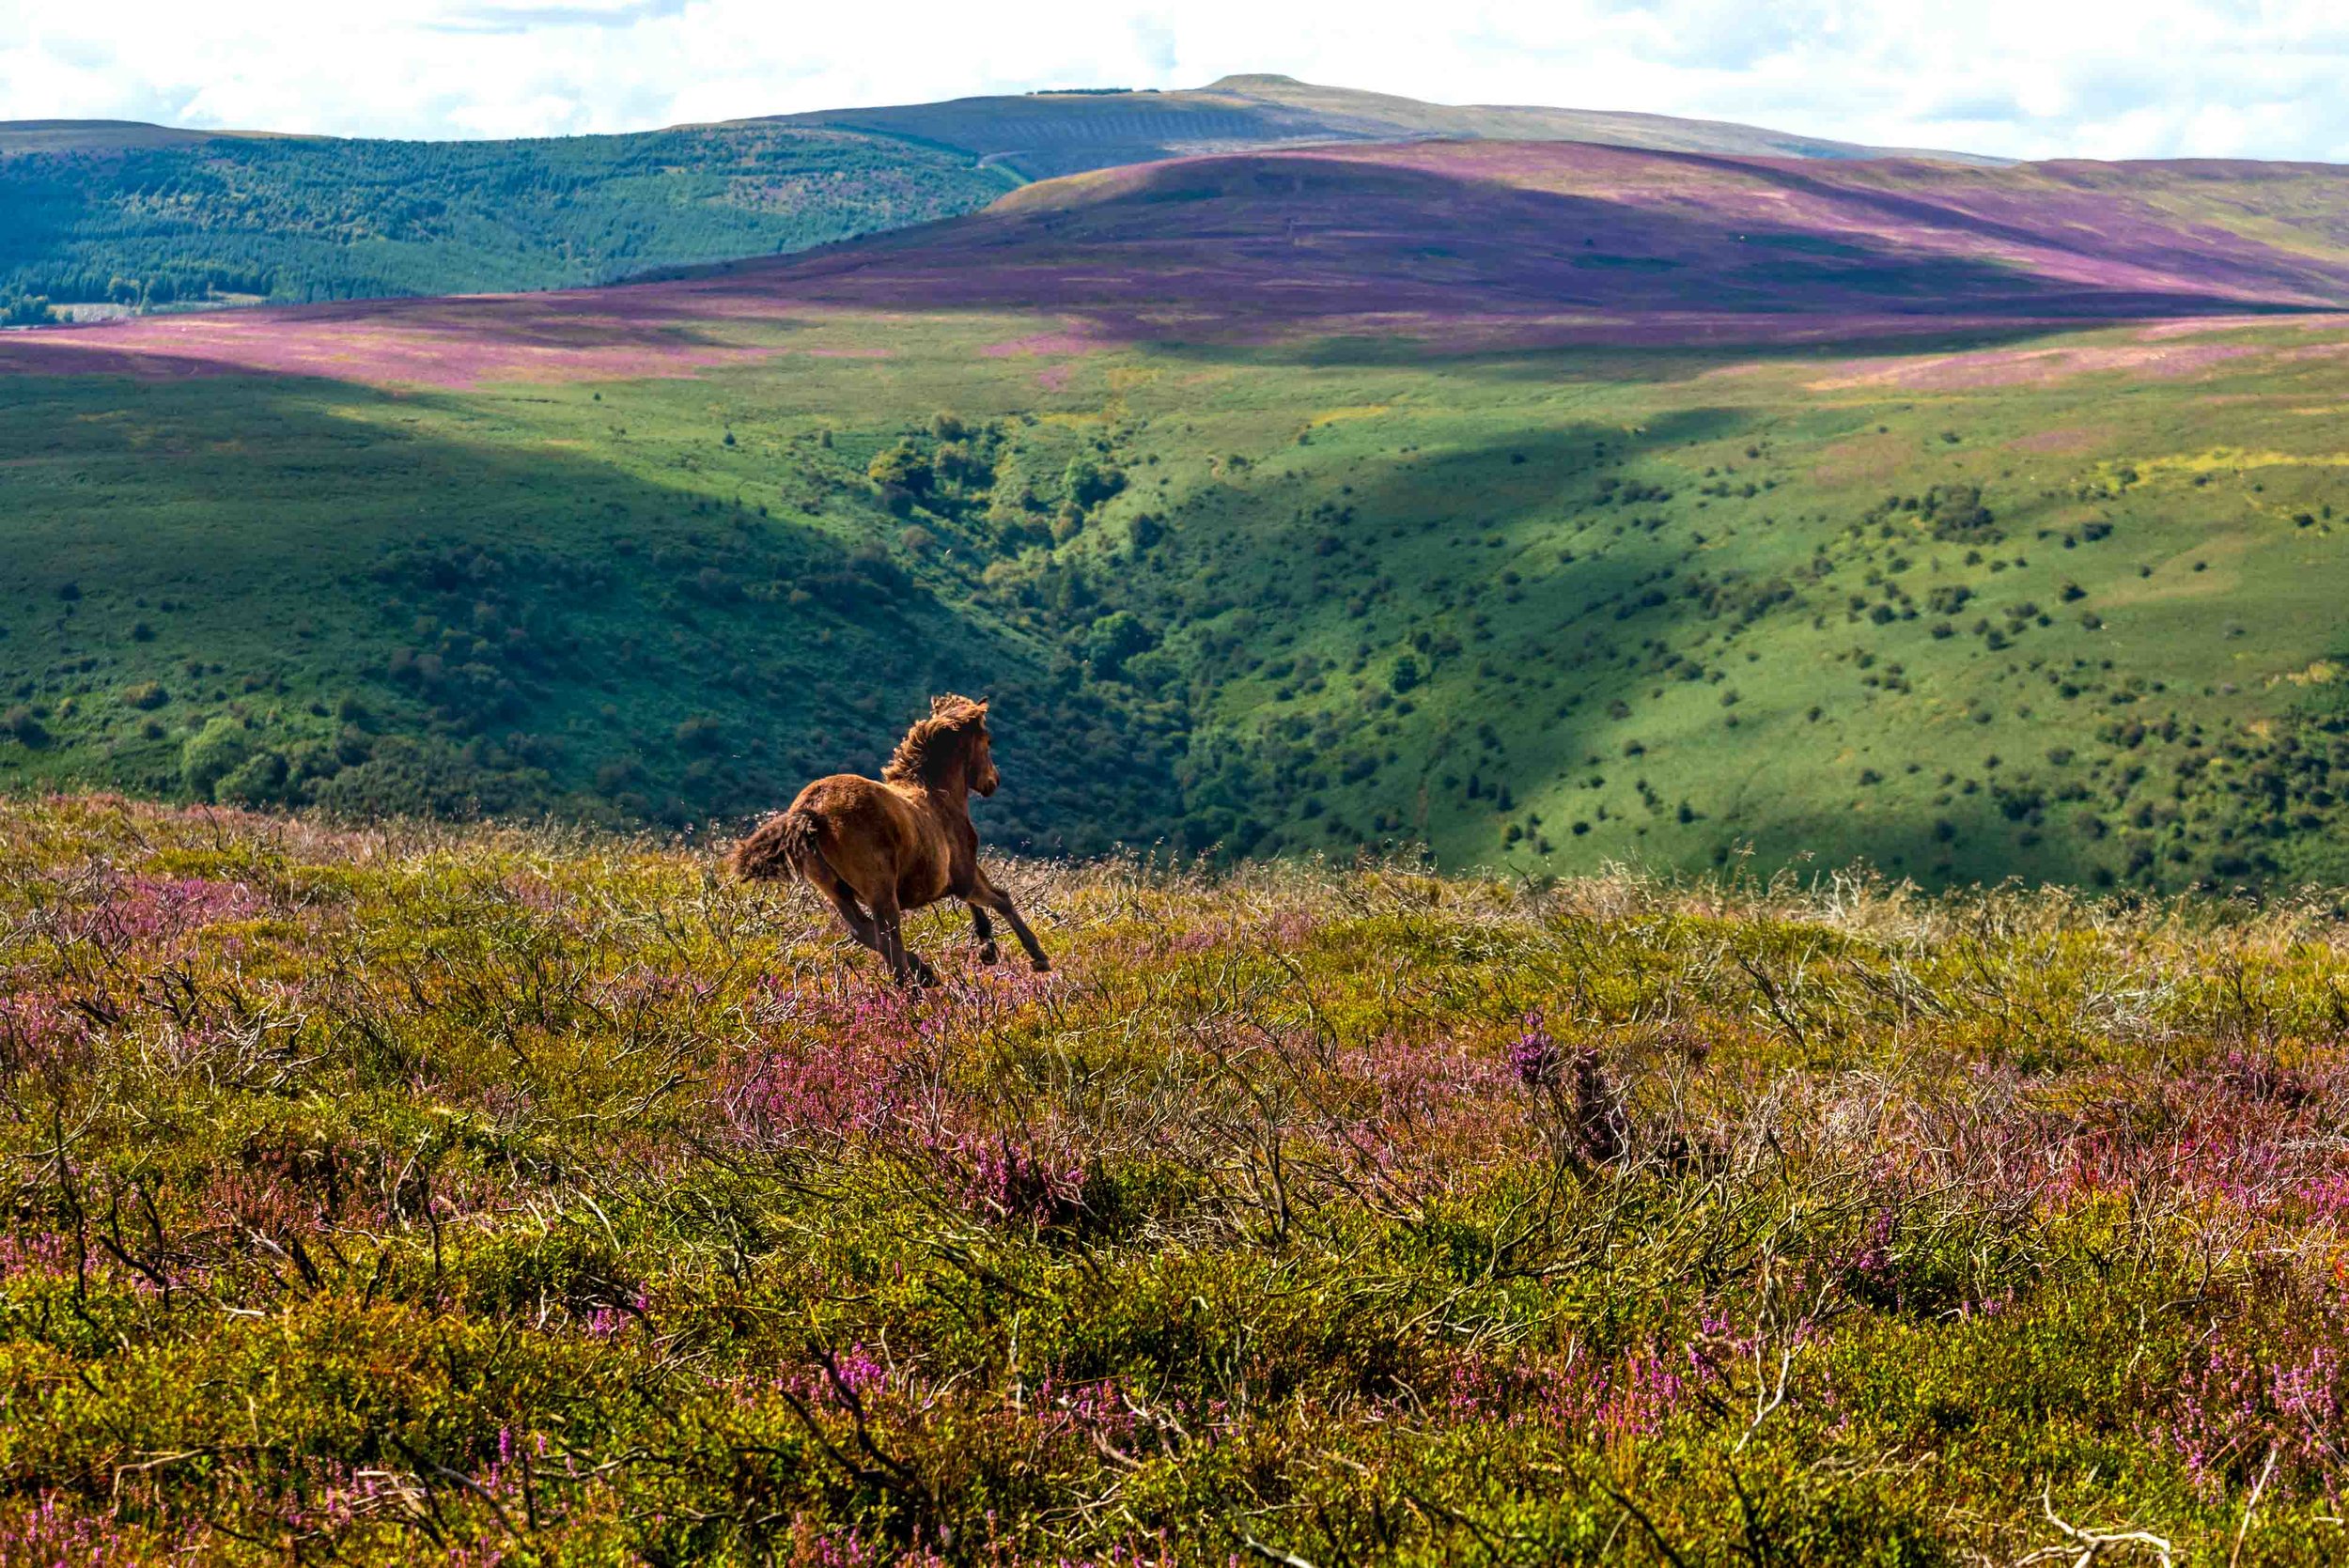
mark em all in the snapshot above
pixel 896 843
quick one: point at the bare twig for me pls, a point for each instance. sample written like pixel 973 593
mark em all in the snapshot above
pixel 2250 1506
pixel 2083 1545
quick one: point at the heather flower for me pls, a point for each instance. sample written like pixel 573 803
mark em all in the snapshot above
pixel 1600 1126
pixel 1535 1054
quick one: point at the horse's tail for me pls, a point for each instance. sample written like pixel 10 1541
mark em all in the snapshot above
pixel 788 842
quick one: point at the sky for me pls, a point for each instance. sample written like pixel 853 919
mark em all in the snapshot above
pixel 2019 78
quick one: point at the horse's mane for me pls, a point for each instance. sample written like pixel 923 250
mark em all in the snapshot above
pixel 935 743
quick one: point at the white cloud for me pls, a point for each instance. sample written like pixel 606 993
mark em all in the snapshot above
pixel 2153 78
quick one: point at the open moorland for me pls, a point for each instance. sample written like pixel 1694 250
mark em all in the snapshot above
pixel 1550 505
pixel 506 1197
pixel 117 214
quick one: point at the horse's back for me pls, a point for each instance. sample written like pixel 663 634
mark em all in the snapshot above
pixel 876 838
pixel 856 810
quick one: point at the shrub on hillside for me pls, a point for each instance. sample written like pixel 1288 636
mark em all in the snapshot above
pixel 257 781
pixel 21 724
pixel 405 777
pixel 211 754
pixel 1089 481
pixel 1113 639
pixel 901 467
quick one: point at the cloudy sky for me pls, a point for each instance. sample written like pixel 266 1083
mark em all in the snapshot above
pixel 2027 78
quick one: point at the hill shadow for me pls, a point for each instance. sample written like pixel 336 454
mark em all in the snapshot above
pixel 528 629
pixel 650 652
pixel 1561 622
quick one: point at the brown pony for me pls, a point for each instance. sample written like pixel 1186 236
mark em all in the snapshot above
pixel 898 842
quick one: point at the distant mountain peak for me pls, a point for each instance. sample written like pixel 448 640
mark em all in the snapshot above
pixel 1251 79
pixel 1039 136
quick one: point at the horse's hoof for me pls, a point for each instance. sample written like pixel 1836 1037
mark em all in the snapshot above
pixel 1043 966
pixel 987 953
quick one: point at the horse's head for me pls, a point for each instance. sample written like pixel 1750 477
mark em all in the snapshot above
pixel 983 779
pixel 954 736
pixel 967 722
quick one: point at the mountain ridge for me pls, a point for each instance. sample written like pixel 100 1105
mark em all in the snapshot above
pixel 1349 114
pixel 1051 133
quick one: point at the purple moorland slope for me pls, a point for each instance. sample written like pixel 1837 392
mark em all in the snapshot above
pixel 1452 245
pixel 1619 242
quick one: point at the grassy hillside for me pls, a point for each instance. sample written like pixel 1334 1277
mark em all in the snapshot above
pixel 1051 133
pixel 103 213
pixel 530 1198
pixel 1543 582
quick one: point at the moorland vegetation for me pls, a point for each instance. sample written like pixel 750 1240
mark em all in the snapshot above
pixel 539 1197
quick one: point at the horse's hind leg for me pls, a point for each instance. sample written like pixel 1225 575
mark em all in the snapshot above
pixel 910 967
pixel 985 930
pixel 852 915
pixel 998 900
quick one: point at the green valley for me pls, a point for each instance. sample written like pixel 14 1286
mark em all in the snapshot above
pixel 1966 611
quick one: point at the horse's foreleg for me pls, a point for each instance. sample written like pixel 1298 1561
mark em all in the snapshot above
pixel 985 930
pixel 998 900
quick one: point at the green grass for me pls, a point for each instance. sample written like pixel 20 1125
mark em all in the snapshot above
pixel 532 1197
pixel 668 598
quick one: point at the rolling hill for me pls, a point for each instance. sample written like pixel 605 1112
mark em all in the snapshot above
pixel 1573 243
pixel 117 213
pixel 1051 133
pixel 1434 246
pixel 1550 505
pixel 148 218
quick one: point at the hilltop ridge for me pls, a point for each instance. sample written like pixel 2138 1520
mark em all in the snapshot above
pixel 1045 134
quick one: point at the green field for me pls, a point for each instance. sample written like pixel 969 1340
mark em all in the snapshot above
pixel 2060 607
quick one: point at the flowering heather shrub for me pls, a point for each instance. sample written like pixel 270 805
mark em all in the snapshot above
pixel 502 1197
pixel 1535 1054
